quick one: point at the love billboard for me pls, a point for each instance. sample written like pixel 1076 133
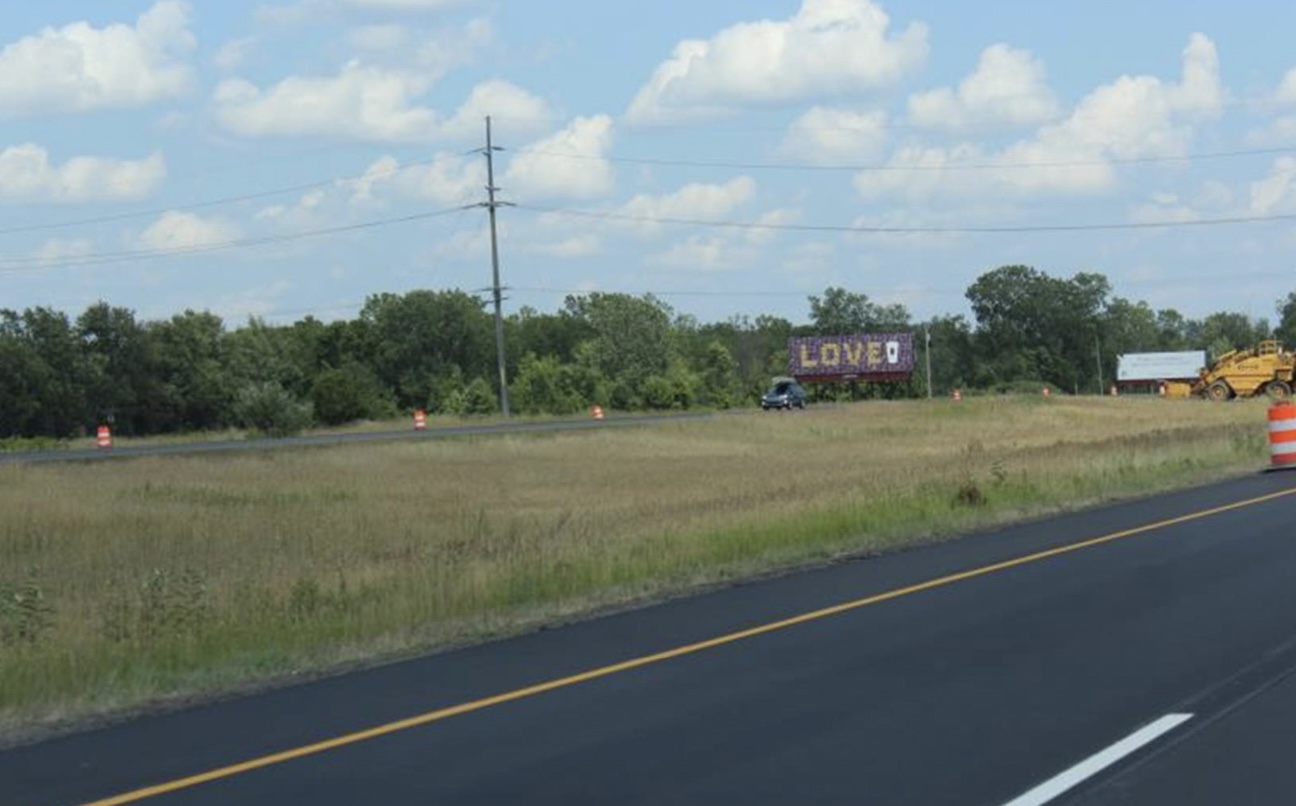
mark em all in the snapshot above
pixel 863 356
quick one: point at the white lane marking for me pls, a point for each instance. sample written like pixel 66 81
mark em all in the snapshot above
pixel 1099 761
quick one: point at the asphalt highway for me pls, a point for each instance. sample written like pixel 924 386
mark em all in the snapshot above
pixel 1137 653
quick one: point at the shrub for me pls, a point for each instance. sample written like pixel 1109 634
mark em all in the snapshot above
pixel 269 409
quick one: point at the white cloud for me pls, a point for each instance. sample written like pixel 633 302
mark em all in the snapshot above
pixel 306 10
pixel 79 67
pixel 575 246
pixel 810 257
pixel 444 51
pixel 768 223
pixel 259 301
pixel 300 215
pixel 1275 193
pixel 696 200
pixel 177 230
pixel 233 53
pixel 1282 130
pixel 380 38
pixel 727 249
pixel 703 253
pixel 1130 118
pixel 26 174
pixel 57 250
pixel 1286 92
pixel 830 47
pixel 1008 86
pixel 404 5
pixel 359 103
pixel 828 134
pixel 448 179
pixel 513 109
pixel 570 164
pixel 367 103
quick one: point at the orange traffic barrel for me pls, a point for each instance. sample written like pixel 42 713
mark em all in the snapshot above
pixel 420 420
pixel 957 396
pixel 1282 434
pixel 104 437
pixel 596 412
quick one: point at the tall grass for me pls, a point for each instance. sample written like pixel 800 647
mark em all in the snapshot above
pixel 129 582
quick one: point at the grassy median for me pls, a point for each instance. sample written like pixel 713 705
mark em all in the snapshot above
pixel 135 582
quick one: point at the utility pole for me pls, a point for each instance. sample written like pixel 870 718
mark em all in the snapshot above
pixel 1098 361
pixel 927 340
pixel 491 205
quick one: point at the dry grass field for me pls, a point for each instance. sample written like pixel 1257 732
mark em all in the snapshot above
pixel 135 582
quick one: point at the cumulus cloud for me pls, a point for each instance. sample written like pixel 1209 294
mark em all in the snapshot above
pixel 404 5
pixel 830 47
pixel 1286 92
pixel 231 55
pixel 574 246
pixel 175 230
pixel 1276 192
pixel 359 103
pixel 57 250
pixel 26 174
pixel 368 104
pixel 830 134
pixel 571 163
pixel 516 112
pixel 1008 86
pixel 696 200
pixel 80 67
pixel 447 180
pixel 1133 117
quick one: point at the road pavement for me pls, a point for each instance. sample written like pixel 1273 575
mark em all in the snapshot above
pixel 1139 651
pixel 128 451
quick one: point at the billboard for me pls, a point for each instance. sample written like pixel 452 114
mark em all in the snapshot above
pixel 862 356
pixel 1134 367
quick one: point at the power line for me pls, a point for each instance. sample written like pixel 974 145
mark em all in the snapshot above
pixel 30 264
pixel 933 230
pixel 890 167
pixel 217 202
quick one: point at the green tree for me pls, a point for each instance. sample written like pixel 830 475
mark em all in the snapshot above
pixel 841 312
pixel 191 366
pixel 418 339
pixel 719 381
pixel 269 409
pixel 348 393
pixel 1031 326
pixel 123 383
pixel 1286 329
pixel 632 341
pixel 57 368
pixel 1223 331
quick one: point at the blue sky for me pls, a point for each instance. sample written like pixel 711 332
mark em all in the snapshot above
pixel 280 159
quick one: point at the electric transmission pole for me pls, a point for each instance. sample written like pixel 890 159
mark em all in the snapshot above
pixel 927 351
pixel 491 205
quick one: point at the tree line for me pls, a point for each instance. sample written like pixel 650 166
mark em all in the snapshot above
pixel 61 377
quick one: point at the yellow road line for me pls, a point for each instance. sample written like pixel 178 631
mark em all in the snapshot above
pixel 646 660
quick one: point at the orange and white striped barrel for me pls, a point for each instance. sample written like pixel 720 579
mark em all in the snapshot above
pixel 420 420
pixel 1282 434
pixel 596 412
pixel 103 437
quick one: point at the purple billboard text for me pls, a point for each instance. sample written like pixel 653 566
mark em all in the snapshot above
pixel 863 356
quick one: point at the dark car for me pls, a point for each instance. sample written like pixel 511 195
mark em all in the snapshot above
pixel 784 394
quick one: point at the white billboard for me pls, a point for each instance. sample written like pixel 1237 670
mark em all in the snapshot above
pixel 1160 366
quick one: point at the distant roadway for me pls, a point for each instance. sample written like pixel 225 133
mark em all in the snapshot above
pixel 1140 653
pixel 319 440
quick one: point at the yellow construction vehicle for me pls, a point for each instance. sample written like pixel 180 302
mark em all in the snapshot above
pixel 1266 368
